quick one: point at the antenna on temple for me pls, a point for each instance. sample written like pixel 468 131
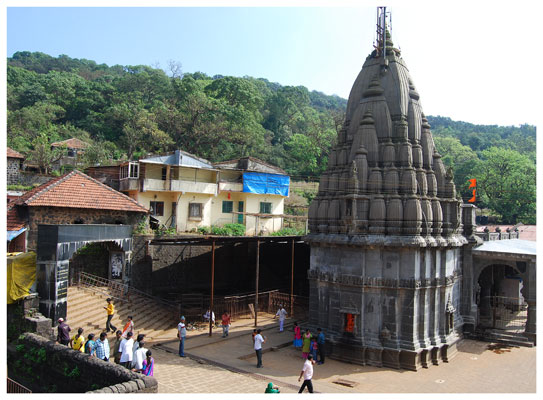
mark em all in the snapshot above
pixel 382 31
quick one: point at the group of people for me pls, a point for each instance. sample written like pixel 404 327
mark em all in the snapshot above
pixel 126 352
pixel 310 344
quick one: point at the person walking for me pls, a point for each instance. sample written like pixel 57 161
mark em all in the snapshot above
pixel 77 342
pixel 306 347
pixel 90 345
pixel 128 327
pixel 282 314
pixel 259 340
pixel 126 351
pixel 102 347
pixel 297 336
pixel 307 373
pixel 116 345
pixel 225 323
pixel 320 341
pixel 110 312
pixel 63 332
pixel 181 334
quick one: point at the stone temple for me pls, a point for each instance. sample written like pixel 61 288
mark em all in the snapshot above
pixel 386 247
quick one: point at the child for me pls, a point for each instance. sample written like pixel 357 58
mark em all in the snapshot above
pixel 297 336
pixel 314 347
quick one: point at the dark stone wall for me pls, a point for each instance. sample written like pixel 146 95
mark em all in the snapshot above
pixel 44 366
pixel 170 270
pixel 63 215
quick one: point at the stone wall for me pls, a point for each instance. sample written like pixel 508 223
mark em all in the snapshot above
pixel 168 270
pixel 31 178
pixel 47 367
pixel 23 316
pixel 13 171
pixel 61 215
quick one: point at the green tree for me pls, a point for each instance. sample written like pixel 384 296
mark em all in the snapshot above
pixel 462 159
pixel 506 181
pixel 42 153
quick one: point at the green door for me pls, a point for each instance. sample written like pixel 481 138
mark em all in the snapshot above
pixel 240 209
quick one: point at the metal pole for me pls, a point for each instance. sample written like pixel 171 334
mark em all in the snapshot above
pixel 212 287
pixel 257 274
pixel 292 280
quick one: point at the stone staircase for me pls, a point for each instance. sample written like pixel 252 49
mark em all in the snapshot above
pixel 86 310
pixel 504 337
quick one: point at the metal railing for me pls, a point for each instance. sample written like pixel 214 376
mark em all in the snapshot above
pixel 14 387
pixel 119 291
pixel 194 305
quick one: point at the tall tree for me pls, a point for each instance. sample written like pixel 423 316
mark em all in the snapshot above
pixel 506 180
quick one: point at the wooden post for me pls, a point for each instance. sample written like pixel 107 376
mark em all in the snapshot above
pixel 292 280
pixel 257 274
pixel 212 287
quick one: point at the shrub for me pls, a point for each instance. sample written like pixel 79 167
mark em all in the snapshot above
pixel 204 230
pixel 289 232
pixel 229 230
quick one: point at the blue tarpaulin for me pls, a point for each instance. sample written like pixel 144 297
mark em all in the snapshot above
pixel 13 234
pixel 254 182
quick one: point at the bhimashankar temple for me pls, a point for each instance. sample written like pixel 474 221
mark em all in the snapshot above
pixel 392 277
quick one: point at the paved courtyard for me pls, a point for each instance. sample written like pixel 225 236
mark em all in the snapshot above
pixel 217 365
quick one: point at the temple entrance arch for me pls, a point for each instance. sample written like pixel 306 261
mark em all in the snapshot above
pixel 103 259
pixel 56 246
pixel 501 304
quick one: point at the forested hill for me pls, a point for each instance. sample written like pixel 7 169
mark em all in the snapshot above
pixel 129 111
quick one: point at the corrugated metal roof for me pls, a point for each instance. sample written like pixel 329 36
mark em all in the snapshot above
pixel 179 158
pixel 509 246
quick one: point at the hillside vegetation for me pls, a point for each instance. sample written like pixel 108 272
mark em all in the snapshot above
pixel 129 111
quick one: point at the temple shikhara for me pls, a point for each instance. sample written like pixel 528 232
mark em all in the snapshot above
pixel 386 242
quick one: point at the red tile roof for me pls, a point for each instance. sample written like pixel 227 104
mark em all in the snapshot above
pixel 13 221
pixel 14 154
pixel 72 143
pixel 77 190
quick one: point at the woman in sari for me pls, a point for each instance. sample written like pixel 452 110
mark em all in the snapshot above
pixel 297 336
pixel 148 364
pixel 306 347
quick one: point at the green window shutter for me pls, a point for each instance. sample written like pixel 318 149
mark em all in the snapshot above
pixel 227 206
pixel 265 208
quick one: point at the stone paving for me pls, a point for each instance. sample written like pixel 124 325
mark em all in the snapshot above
pixel 217 365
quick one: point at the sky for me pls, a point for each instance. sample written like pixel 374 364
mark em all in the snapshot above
pixel 469 62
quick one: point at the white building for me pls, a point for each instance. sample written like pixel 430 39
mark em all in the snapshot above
pixel 188 192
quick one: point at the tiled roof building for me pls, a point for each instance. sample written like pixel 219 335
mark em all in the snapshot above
pixel 71 198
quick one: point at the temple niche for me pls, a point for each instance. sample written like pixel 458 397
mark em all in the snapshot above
pixel 385 275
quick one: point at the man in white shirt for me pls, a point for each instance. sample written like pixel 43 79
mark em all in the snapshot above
pixel 126 351
pixel 259 340
pixel 307 373
pixel 139 356
pixel 281 313
pixel 181 334
pixel 207 314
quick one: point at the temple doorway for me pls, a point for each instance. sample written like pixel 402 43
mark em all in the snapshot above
pixel 500 302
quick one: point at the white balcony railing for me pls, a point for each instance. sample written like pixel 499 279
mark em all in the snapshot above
pixel 194 187
pixel 128 184
pixel 231 186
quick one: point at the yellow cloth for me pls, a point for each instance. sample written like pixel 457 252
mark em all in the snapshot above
pixel 110 309
pixel 21 276
pixel 78 343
